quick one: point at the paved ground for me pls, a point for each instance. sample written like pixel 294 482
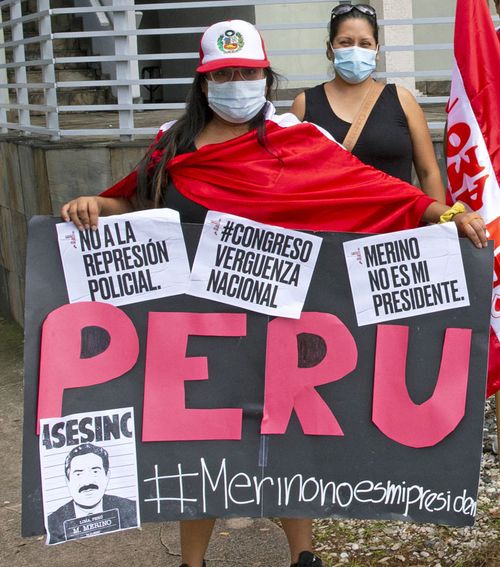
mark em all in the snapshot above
pixel 253 543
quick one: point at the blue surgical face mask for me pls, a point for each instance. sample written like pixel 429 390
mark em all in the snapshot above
pixel 354 64
pixel 237 101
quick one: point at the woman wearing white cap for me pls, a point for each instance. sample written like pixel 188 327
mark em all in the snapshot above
pixel 230 152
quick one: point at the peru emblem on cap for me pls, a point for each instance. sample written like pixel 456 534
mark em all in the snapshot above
pixel 230 42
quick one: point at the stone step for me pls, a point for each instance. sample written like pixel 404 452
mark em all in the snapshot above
pixel 70 96
pixel 67 67
pixel 34 55
pixel 70 52
pixel 66 23
pixel 66 97
pixel 61 3
pixel 69 44
pixel 62 75
pixel 60 23
pixel 73 44
pixel 75 66
pixel 61 47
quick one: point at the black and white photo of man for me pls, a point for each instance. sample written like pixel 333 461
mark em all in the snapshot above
pixel 87 475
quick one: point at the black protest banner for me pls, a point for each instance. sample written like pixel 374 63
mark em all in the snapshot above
pixel 242 414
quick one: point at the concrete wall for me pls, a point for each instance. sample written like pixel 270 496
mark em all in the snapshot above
pixel 434 33
pixel 395 61
pixel 435 60
pixel 315 38
pixel 314 12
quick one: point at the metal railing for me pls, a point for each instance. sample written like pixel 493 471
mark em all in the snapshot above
pixel 22 74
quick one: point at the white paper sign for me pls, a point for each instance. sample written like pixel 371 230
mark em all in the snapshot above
pixel 88 466
pixel 406 273
pixel 129 258
pixel 252 265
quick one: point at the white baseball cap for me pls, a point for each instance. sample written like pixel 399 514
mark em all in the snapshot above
pixel 233 43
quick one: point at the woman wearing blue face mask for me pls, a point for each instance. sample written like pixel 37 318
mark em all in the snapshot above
pixel 395 135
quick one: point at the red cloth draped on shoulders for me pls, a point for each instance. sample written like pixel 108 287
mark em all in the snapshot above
pixel 304 180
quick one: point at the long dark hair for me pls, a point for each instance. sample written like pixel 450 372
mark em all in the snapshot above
pixel 151 184
pixel 333 26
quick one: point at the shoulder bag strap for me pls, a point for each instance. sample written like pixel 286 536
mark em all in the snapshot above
pixel 362 116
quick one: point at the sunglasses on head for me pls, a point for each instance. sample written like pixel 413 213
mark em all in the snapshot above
pixel 342 9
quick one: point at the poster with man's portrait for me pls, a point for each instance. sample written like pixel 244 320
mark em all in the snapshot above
pixel 89 474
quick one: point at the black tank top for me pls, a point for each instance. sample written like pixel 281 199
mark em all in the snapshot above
pixel 384 142
pixel 189 210
pixel 173 199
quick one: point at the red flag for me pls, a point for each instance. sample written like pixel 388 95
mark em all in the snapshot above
pixel 473 148
pixel 304 181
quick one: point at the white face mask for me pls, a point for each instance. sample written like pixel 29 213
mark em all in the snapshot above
pixel 237 101
pixel 354 64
